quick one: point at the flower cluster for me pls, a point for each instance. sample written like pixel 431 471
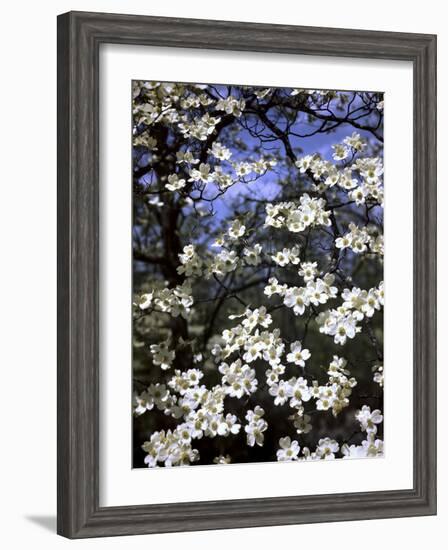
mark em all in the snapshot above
pixel 249 342
pixel 255 427
pixel 326 175
pixel 287 256
pixel 175 183
pixel 289 450
pixel 220 152
pixel 316 292
pixel 327 448
pixel 162 355
pixel 362 178
pixel 191 262
pixel 295 390
pixel 343 322
pixel 371 446
pixel 224 262
pixel 172 448
pixel 350 143
pixel 202 415
pixel 334 395
pixel 252 255
pixel 198 128
pixel 159 104
pixel 297 217
pixel 360 240
pixel 156 395
pixel 175 301
pixel 231 105
pixel 378 375
pixel 238 379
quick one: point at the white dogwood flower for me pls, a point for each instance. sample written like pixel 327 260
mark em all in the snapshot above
pixel 298 356
pixel 289 450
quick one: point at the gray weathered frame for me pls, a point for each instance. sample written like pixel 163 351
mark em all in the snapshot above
pixel 79 38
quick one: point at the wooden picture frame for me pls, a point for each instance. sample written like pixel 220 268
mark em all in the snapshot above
pixel 79 38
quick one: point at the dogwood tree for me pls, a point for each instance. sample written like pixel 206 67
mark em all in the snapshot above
pixel 258 266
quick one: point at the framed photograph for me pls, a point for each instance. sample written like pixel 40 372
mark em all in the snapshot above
pixel 246 274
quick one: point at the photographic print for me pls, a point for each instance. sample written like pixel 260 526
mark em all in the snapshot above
pixel 257 274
